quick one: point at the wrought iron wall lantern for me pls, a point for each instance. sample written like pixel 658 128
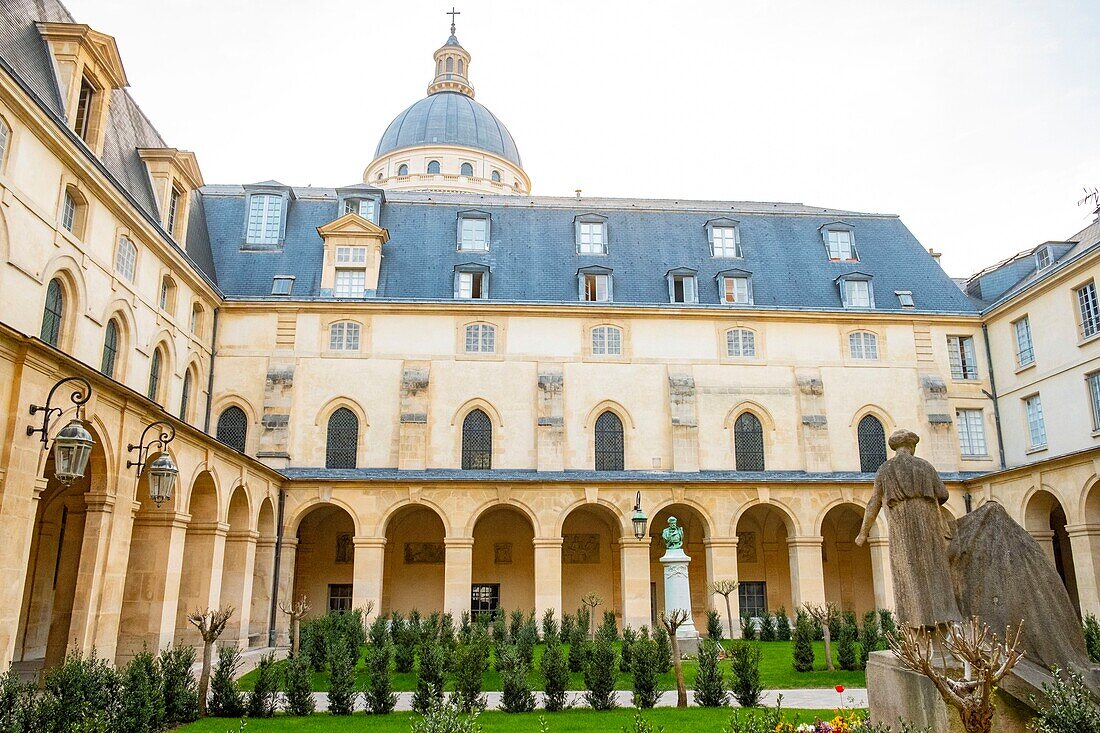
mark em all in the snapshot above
pixel 73 445
pixel 639 519
pixel 161 469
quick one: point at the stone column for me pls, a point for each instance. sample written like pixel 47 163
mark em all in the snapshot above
pixel 84 620
pixel 458 574
pixel 881 572
pixel 237 576
pixel 1084 542
pixel 1045 538
pixel 548 575
pixel 366 584
pixel 807 572
pixel 201 581
pixel 634 572
pixel 722 565
pixel 151 596
pixel 262 579
pixel 678 590
pixel 288 564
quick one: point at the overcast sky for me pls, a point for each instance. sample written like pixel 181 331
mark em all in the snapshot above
pixel 975 121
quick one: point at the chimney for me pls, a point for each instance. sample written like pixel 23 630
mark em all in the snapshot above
pixel 935 255
pixel 578 194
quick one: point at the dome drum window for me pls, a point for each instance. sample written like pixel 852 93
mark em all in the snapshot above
pixel 466 170
pixel 403 169
pixel 682 287
pixel 433 167
pixel 724 236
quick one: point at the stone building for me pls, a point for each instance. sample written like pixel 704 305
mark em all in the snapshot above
pixel 434 390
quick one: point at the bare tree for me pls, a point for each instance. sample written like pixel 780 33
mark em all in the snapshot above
pixel 986 661
pixel 824 614
pixel 672 621
pixel 725 588
pixel 210 624
pixel 592 600
pixel 297 612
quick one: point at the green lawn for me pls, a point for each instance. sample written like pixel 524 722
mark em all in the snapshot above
pixel 567 721
pixel 776 672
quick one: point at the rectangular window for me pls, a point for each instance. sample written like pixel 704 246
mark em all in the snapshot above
pixel 350 283
pixel 265 212
pixel 736 290
pixel 1036 428
pixel 971 426
pixel 863 345
pixel 125 258
pixel 607 341
pixel 960 355
pixel 1043 258
pixel 840 245
pixel 470 285
pixel 68 212
pixel 1025 353
pixel 282 285
pixel 725 242
pixel 596 288
pixel 481 338
pixel 484 599
pixel 343 336
pixel 683 289
pixel 740 342
pixel 339 597
pixel 857 294
pixel 173 209
pixel 1093 381
pixel 351 255
pixel 753 598
pixel 591 239
pixel 1090 310
pixel 82 122
pixel 474 235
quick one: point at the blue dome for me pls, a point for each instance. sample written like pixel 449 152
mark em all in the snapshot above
pixel 449 118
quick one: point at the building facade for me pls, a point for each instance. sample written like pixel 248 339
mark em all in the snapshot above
pixel 433 390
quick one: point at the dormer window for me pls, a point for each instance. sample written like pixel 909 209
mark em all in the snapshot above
pixel 682 286
pixel 471 282
pixel 725 237
pixel 473 231
pixel 595 284
pixel 591 234
pixel 174 198
pixel 350 283
pixel 282 284
pixel 82 123
pixel 905 298
pixel 840 243
pixel 735 287
pixel 1043 258
pixel 366 208
pixel 265 218
pixel 856 290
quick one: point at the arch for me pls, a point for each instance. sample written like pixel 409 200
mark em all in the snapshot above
pixel 466 170
pixel 198 587
pixel 342 439
pixel 1038 503
pixel 871 443
pixel 204 497
pixel 165 338
pixel 480 510
pixel 477 441
pixel 294 520
pixel 879 412
pixel 71 273
pixel 324 567
pixel 239 509
pixel 703 512
pixel 265 518
pixel 697 528
pixel 849 576
pixel 503 555
pixel 477 403
pixel 788 515
pixel 762 413
pixel 335 404
pixel 413 559
pixel 1045 519
pixel 591 533
pixel 1089 510
pixel 262 575
pixel 384 521
pixel 604 406
pixel 860 506
pixel 433 167
pixel 623 519
pixel 235 400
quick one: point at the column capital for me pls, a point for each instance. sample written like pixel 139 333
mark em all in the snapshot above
pixel 242 535
pixel 203 528
pixel 40 484
pixel 1041 535
pixel 878 542
pixel 548 543
pixel 99 502
pixel 290 543
pixel 167 518
pixel 720 541
pixel 458 542
pixel 1082 530
pixel 367 543
pixel 634 543
pixel 810 541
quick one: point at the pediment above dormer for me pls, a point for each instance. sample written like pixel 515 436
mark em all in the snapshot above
pixel 353 226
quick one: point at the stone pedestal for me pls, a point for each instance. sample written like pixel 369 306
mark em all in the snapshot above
pixel 678 595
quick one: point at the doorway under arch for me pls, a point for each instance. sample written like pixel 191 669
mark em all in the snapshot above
pixel 503 561
pixel 414 561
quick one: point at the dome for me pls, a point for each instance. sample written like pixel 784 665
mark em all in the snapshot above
pixel 449 118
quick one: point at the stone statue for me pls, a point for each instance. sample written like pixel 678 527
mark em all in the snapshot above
pixel 924 593
pixel 673 535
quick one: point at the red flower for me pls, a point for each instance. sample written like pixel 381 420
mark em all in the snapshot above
pixel 840 688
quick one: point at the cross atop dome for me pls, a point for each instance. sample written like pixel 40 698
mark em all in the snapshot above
pixel 452 63
pixel 453 13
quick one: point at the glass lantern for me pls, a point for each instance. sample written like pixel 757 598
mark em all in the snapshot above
pixel 639 519
pixel 162 478
pixel 71 450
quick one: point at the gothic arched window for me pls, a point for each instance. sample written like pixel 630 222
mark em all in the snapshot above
pixel 609 442
pixel 872 444
pixel 233 428
pixel 477 441
pixel 185 398
pixel 748 442
pixel 433 166
pixel 154 375
pixel 52 313
pixel 343 437
pixel 110 349
pixel 467 169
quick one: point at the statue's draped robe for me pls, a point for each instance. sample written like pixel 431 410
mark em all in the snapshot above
pixel 912 491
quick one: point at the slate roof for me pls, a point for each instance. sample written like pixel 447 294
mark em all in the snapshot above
pixel 449 118
pixel 532 255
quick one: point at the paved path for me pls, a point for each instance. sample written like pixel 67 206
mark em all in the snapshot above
pixel 822 699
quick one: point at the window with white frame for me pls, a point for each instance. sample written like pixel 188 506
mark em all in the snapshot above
pixel 125 258
pixel 351 255
pixel 1036 427
pixel 905 298
pixel 343 336
pixel 839 244
pixel 282 284
pixel 607 341
pixel 68 212
pixel 592 237
pixel 265 218
pixel 350 283
pixel 470 285
pixel 1043 258
pixel 174 199
pixel 363 207
pixel 5 138
pixel 1025 351
pixel 740 343
pixel 597 287
pixel 473 234
pixel 857 293
pixel 960 355
pixel 481 338
pixel 495 176
pixel 1089 309
pixel 682 289
pixel 725 241
pixel 863 345
pixel 737 289
pixel 971 427
pixel 1093 382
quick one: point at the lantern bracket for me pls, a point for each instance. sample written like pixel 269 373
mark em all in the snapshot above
pixel 80 397
pixel 166 435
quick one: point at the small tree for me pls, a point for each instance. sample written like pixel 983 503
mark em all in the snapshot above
pixel 782 625
pixel 767 628
pixel 1092 638
pixel 609 628
pixel 664 649
pixel 405 639
pixel 430 672
pixel 447 718
pixel 846 648
pixel 725 588
pixel 555 675
pixel 261 700
pixel 471 661
pixel 868 637
pixel 549 624
pixel 629 637
pixel 745 669
pixel 181 691
pixel 988 661
pixel 579 644
pixel 714 626
pixel 524 642
pixel 825 614
pixel 298 687
pixel 141 708
pixel 803 652
pixel 341 682
pixel 710 684
pixel 748 628
pixel 886 622
pixel 599 675
pixel 516 695
pixel 644 673
pixel 379 696
pixel 296 611
pixel 566 627
pixel 672 621
pixel 226 700
pixel 210 624
pixel 591 601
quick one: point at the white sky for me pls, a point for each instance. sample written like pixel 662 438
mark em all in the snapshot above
pixel 974 120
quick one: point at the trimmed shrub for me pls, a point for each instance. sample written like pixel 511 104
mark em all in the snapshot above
pixel 298 687
pixel 555 675
pixel 803 652
pixel 516 695
pixel 447 718
pixel 81 694
pixel 447 632
pixel 526 640
pixel 471 661
pixel 846 648
pixel 886 622
pixel 181 690
pixel 321 636
pixel 429 678
pixel 767 628
pixel 515 624
pixel 379 633
pixel 404 643
pixel 341 683
pixel 748 628
pixel 141 708
pixel 549 624
pixel 226 700
pixel 584 621
pixel 836 624
pixel 630 636
pixel 566 627
pixel 464 627
pixel 868 637
pixel 379 697
pixel 664 649
pixel 500 629
pixel 609 629
pixel 782 625
pixel 578 647
pixel 416 628
pixel 1092 638
pixel 17 704
pixel 261 701
pixel 430 628
pixel 714 625
pixel 710 685
pixel 1070 707
pixel 745 673
pixel 599 675
pixel 644 672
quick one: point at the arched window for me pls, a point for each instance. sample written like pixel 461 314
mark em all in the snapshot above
pixel 110 349
pixel 439 66
pixel 863 345
pixel 748 442
pixel 403 169
pixel 481 338
pixel 154 374
pixel 343 336
pixel 185 398
pixel 52 313
pixel 609 442
pixel 740 342
pixel 343 437
pixel 467 169
pixel 196 319
pixel 477 441
pixel 450 64
pixel 495 175
pixel 460 71
pixel 433 166
pixel 607 341
pixel 5 139
pixel 232 428
pixel 872 444
pixel 125 258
